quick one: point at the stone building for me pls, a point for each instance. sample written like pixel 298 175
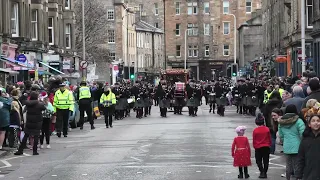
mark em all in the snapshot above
pixel 209 25
pixel 316 36
pixel 149 49
pixel 36 35
pixel 282 37
pixel 250 39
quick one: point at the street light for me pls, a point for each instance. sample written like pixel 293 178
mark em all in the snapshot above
pixel 303 36
pixel 83 37
pixel 234 38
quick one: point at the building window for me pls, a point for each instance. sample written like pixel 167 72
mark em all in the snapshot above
pixel 156 9
pixel 111 36
pixel 177 29
pixel 67 4
pixel 309 9
pixel 178 50
pixel 226 50
pixel 51 31
pixel 15 20
pixel 206 8
pixel 156 25
pixel 68 36
pixel 192 8
pixel 206 50
pixel 226 7
pixel 141 9
pixel 193 51
pixel 177 8
pixel 249 6
pixel 192 30
pixel 112 56
pixel 226 28
pixel 110 14
pixel 206 29
pixel 34 25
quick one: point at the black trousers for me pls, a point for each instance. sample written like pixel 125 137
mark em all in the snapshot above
pixel 212 106
pixel 245 169
pixel 108 113
pixel 119 114
pixel 262 158
pixel 13 137
pixel 62 123
pixel 139 112
pixel 24 143
pixel 45 131
pixel 85 107
pixel 163 112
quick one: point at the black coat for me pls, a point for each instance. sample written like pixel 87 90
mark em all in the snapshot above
pixel 309 159
pixel 34 110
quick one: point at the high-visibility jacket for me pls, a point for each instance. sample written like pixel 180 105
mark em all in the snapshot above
pixel 109 100
pixel 281 91
pixel 63 100
pixel 266 96
pixel 84 92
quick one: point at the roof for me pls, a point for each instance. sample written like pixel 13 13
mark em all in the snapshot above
pixel 144 26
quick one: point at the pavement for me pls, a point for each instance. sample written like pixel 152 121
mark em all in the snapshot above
pixel 178 147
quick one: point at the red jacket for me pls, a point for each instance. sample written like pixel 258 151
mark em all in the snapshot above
pixel 261 137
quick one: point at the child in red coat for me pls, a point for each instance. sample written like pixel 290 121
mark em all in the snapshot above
pixel 241 152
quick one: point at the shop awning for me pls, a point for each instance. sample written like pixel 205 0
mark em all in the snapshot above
pixel 13 63
pixel 51 67
pixel 40 72
pixel 9 71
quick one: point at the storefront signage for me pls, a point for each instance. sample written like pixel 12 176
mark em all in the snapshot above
pixel 54 63
pixel 22 58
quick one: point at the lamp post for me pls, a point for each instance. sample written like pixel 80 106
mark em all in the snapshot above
pixel 83 40
pixel 234 39
pixel 185 49
pixel 303 35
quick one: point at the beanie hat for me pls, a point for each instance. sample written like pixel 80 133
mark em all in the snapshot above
pixel 291 109
pixel 241 129
pixel 260 119
pixel 43 95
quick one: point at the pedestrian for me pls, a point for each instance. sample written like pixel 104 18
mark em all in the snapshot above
pixel 241 152
pixel 46 115
pixel 33 123
pixel 291 128
pixel 262 143
pixel 275 115
pixel 108 101
pixel 5 106
pixel 308 164
pixel 15 122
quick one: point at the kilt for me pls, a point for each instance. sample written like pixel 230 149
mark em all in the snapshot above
pixel 222 101
pixel 179 101
pixel 148 102
pixel 250 101
pixel 193 102
pixel 139 103
pixel 121 104
pixel 211 98
pixel 164 103
pixel 255 101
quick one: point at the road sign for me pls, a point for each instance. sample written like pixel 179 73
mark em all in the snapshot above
pixel 84 64
pixel 22 58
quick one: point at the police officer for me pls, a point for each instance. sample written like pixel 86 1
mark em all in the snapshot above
pixel 108 101
pixel 84 97
pixel 63 104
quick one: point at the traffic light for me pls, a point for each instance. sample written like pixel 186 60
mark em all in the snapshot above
pixel 234 70
pixel 132 73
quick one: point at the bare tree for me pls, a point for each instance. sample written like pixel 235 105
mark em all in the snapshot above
pixel 96 30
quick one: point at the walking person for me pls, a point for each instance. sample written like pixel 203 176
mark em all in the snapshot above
pixel 34 119
pixel 108 101
pixel 84 97
pixel 15 123
pixel 64 105
pixel 291 128
pixel 47 115
pixel 241 152
pixel 5 106
pixel 262 143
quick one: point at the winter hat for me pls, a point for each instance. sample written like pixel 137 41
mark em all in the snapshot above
pixel 260 119
pixel 241 129
pixel 291 108
pixel 43 95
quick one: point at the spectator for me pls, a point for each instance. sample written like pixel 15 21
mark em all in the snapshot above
pixel 297 99
pixel 5 106
pixel 315 91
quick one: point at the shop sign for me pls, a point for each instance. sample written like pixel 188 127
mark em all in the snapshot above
pixel 54 63
pixel 66 64
pixel 21 58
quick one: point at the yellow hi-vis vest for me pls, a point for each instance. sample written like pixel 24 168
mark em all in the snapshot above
pixel 281 91
pixel 84 92
pixel 63 100
pixel 266 96
pixel 109 100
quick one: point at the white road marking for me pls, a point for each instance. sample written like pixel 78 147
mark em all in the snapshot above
pixel 7 164
pixel 139 172
pixel 137 159
pixel 54 175
pixel 228 172
pixel 277 164
pixel 168 172
pixel 146 145
pixel 209 166
pixel 116 173
pixel 198 171
pixel 84 174
pixel 21 177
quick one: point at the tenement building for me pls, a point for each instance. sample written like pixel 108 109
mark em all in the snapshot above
pixel 316 36
pixel 202 32
pixel 36 38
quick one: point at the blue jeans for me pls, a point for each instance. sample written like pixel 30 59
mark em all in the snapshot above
pixel 273 145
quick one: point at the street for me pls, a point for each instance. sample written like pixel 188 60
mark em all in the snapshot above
pixel 175 148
